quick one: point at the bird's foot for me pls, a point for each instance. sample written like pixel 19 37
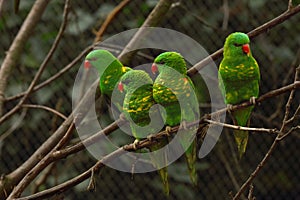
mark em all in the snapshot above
pixel 150 137
pixel 136 142
pixel 229 108
pixel 253 100
pixel 183 125
pixel 122 117
pixel 168 130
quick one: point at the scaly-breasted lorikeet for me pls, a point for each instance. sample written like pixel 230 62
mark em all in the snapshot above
pixel 110 70
pixel 138 87
pixel 171 85
pixel 239 78
pixel 107 65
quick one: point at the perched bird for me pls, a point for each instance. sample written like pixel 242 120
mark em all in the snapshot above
pixel 172 87
pixel 108 66
pixel 239 78
pixel 138 109
pixel 110 70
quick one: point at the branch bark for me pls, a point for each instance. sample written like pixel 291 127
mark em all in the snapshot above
pixel 16 48
pixel 42 67
pixel 158 13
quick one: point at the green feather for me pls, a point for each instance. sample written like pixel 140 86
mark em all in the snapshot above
pixel 138 100
pixel 109 67
pixel 239 78
pixel 173 74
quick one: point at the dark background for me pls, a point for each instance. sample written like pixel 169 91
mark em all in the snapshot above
pixel 275 50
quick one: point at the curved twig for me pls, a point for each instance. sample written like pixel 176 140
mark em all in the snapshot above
pixel 42 67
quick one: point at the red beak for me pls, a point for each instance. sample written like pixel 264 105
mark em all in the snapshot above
pixel 246 49
pixel 121 87
pixel 87 64
pixel 154 68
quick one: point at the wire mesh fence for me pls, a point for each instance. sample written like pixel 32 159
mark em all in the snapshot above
pixel 208 22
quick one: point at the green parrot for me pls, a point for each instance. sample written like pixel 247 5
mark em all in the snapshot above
pixel 110 70
pixel 137 107
pixel 239 78
pixel 172 84
pixel 107 65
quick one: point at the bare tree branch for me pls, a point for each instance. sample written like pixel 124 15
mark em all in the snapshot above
pixel 160 10
pixel 272 131
pixel 45 108
pixel 56 76
pixel 41 69
pixel 109 18
pixel 17 46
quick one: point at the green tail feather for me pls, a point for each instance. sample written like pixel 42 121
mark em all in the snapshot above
pixel 242 118
pixel 163 172
pixel 191 157
pixel 161 160
pixel 241 139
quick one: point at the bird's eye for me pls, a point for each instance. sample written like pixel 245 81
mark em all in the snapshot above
pixel 236 44
pixel 93 59
pixel 125 82
pixel 160 62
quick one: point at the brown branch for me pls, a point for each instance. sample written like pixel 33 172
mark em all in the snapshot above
pixel 257 31
pixel 43 178
pixel 56 76
pixel 42 67
pixel 109 19
pixel 200 19
pixel 76 180
pixel 153 19
pixel 17 46
pixel 45 161
pixel 295 116
pixel 45 108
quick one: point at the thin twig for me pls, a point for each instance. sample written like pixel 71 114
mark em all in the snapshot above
pixel 200 19
pixel 153 19
pixel 226 15
pixel 289 132
pixel 56 76
pixel 42 179
pixel 16 124
pixel 295 116
pixel 250 195
pixel 40 166
pixel 228 167
pixel 272 131
pixel 76 180
pixel 45 108
pixel 43 65
pixel 109 19
pixel 16 48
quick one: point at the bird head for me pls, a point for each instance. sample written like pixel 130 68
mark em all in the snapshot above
pixel 134 79
pixel 237 44
pixel 173 60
